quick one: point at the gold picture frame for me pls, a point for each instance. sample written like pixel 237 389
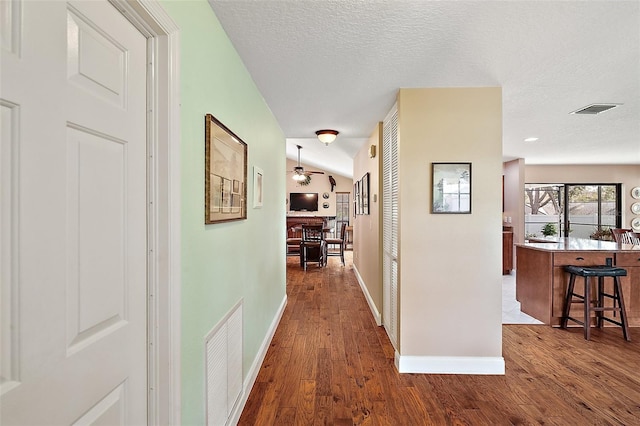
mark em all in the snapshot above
pixel 225 174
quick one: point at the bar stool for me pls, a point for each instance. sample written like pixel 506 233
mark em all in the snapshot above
pixel 597 305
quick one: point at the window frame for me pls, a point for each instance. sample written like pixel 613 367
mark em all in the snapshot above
pixel 564 216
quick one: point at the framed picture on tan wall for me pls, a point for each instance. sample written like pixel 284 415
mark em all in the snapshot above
pixel 451 188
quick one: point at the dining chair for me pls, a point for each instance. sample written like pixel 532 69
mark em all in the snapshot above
pixel 617 233
pixel 630 238
pixel 313 246
pixel 293 242
pixel 340 241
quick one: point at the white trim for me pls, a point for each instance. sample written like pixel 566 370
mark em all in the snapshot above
pixel 164 316
pixel 252 374
pixel 450 364
pixel 365 290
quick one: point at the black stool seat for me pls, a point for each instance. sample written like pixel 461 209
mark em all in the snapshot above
pixel 596 306
pixel 596 271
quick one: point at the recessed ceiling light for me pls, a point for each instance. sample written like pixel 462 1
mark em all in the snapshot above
pixel 531 139
pixel 594 109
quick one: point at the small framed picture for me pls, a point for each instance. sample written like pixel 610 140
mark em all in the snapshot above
pixel 364 193
pixel 451 188
pixel 356 197
pixel 258 175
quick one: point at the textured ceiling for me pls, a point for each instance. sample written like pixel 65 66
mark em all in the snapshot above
pixel 339 64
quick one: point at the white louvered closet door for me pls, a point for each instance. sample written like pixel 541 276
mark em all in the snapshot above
pixel 390 225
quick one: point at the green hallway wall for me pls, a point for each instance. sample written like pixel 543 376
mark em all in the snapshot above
pixel 224 263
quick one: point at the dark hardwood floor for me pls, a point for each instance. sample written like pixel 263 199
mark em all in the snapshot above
pixel 329 364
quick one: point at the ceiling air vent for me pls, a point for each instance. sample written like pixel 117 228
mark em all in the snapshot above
pixel 595 109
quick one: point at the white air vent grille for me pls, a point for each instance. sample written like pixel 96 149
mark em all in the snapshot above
pixel 595 109
pixel 223 346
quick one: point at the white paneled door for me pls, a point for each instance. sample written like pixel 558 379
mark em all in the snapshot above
pixel 74 217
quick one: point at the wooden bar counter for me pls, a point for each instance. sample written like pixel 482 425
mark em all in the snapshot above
pixel 541 282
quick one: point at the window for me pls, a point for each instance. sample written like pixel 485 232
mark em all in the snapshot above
pixel 575 210
pixel 542 206
pixel 342 211
pixel 591 207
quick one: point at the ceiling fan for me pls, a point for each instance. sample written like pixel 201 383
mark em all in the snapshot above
pixel 299 173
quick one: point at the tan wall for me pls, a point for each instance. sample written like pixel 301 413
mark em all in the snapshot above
pixel 450 265
pixel 627 175
pixel 319 184
pixel 513 172
pixel 366 242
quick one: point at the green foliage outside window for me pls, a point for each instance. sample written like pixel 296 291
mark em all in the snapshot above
pixel 549 229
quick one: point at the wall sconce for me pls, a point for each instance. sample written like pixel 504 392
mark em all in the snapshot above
pixel 372 151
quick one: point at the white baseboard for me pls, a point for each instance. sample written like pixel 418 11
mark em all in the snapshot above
pixel 450 365
pixel 257 363
pixel 365 290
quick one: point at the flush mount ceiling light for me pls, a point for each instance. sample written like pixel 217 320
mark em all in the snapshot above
pixel 327 136
pixel 532 139
pixel 595 109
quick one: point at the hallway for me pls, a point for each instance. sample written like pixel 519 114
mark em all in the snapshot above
pixel 329 364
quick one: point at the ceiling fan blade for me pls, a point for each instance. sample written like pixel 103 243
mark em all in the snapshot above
pixel 314 173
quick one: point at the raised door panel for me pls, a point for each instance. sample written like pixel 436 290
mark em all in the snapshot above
pixel 10 41
pixel 109 411
pixel 9 288
pixel 10 26
pixel 96 62
pixel 97 262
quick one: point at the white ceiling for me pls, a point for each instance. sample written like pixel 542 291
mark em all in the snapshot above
pixel 339 64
